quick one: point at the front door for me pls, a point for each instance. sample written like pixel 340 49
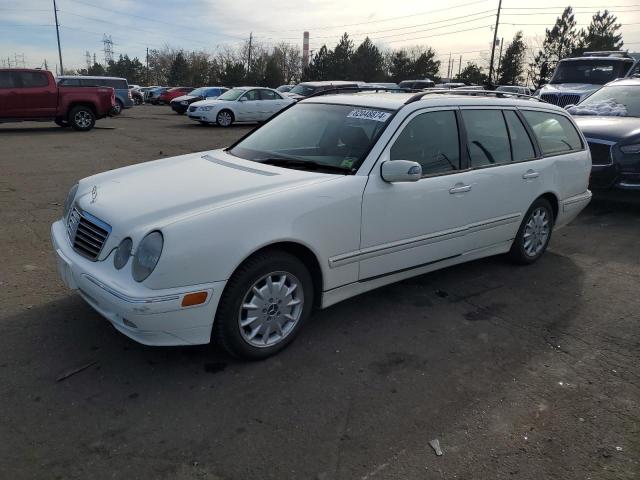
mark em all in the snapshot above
pixel 406 225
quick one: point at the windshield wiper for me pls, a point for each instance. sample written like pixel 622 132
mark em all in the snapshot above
pixel 304 164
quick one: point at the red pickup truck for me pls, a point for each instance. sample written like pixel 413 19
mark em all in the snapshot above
pixel 33 95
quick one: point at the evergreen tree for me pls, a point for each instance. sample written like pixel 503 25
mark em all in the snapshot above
pixel 273 75
pixel 233 74
pixel 424 64
pixel 512 62
pixel 96 70
pixel 319 66
pixel 179 71
pixel 400 66
pixel 340 59
pixel 560 42
pixel 367 63
pixel 472 74
pixel 602 34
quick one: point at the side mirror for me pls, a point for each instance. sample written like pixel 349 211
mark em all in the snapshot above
pixel 571 105
pixel 242 99
pixel 400 171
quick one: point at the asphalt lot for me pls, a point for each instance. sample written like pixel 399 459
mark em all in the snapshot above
pixel 519 372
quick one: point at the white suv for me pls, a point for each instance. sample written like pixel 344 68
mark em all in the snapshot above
pixel 334 196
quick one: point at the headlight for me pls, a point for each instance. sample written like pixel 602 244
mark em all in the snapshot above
pixel 635 148
pixel 206 108
pixel 184 102
pixel 123 253
pixel 71 196
pixel 147 256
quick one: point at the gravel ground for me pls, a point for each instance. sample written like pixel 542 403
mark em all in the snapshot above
pixel 519 372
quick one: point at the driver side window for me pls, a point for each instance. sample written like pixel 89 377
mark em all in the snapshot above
pixel 431 139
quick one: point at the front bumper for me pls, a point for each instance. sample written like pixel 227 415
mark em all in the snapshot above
pixel 150 317
pixel 612 176
pixel 176 107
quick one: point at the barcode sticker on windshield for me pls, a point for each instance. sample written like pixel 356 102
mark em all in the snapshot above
pixel 369 115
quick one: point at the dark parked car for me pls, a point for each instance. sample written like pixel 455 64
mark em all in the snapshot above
pixel 305 89
pixel 181 104
pixel 417 84
pixel 34 95
pixel 610 120
pixel 154 93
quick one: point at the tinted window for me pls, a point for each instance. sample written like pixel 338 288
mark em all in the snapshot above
pixel 269 95
pixel 8 80
pixel 555 133
pixel 251 95
pixel 431 139
pixel 521 146
pixel 34 79
pixel 70 82
pixel 487 137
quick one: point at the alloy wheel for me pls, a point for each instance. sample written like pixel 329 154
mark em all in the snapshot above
pixel 83 119
pixel 271 309
pixel 536 232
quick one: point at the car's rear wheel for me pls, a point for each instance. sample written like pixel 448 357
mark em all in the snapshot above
pixel 82 118
pixel 117 108
pixel 534 233
pixel 264 305
pixel 224 118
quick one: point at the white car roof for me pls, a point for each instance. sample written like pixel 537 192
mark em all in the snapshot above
pixel 395 101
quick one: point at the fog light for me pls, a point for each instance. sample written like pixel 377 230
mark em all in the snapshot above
pixel 192 299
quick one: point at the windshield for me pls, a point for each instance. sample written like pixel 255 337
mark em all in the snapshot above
pixel 232 94
pixel 596 72
pixel 622 100
pixel 508 89
pixel 337 136
pixel 198 92
pixel 303 90
pixel 284 88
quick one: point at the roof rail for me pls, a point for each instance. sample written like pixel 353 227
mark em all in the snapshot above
pixel 607 53
pixel 462 91
pixel 356 89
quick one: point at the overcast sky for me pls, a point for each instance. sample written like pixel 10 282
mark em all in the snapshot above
pixel 462 27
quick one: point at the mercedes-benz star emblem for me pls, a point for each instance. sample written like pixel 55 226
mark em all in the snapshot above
pixel 94 194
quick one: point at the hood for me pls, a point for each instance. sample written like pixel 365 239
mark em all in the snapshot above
pixel 183 98
pixel 613 129
pixel 295 96
pixel 578 88
pixel 154 194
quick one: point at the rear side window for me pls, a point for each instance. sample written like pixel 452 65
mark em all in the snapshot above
pixel 431 139
pixel 521 146
pixel 555 133
pixel 487 137
pixel 8 80
pixel 34 79
pixel 268 95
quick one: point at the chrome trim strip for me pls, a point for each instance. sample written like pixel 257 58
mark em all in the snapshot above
pixel 239 167
pixel 129 299
pixel 399 245
pixel 597 140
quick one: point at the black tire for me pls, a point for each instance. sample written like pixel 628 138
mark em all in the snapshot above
pixel 523 253
pixel 82 118
pixel 117 109
pixel 61 122
pixel 227 331
pixel 220 119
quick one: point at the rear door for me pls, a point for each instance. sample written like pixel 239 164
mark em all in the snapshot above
pixel 504 175
pixel 270 103
pixel 38 97
pixel 9 98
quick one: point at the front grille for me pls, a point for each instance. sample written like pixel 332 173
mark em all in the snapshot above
pixel 193 109
pixel 561 100
pixel 87 234
pixel 600 153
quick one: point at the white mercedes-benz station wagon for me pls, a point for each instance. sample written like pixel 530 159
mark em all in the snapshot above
pixel 334 196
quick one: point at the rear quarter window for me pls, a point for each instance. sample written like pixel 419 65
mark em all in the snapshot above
pixel 555 133
pixel 8 80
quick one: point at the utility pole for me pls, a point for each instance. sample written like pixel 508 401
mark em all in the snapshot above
pixel 493 46
pixel 449 69
pixel 147 65
pixel 460 67
pixel 500 59
pixel 55 13
pixel 249 62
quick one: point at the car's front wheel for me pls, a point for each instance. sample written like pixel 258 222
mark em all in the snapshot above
pixel 117 108
pixel 264 305
pixel 224 118
pixel 534 234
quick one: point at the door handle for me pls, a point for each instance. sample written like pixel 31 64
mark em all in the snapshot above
pixel 460 188
pixel 530 174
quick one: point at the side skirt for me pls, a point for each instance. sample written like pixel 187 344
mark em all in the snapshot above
pixel 331 297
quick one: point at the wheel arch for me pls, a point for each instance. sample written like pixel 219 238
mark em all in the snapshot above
pixel 552 198
pixel 73 105
pixel 301 252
